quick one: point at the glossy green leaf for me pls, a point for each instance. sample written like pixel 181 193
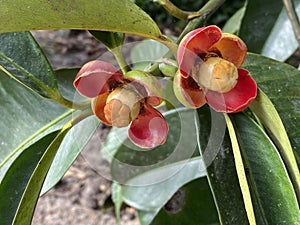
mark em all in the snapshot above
pixel 268 116
pixel 116 196
pixel 281 43
pixel 268 178
pixel 198 206
pixel 16 179
pixel 129 161
pixel 107 15
pixel 233 25
pixel 110 39
pixel 113 142
pixel 25 116
pixel 65 78
pixel 154 172
pixel 255 28
pixel 31 193
pixel 146 52
pixel 239 165
pixel 70 148
pixel 149 199
pixel 22 59
pixel 215 147
pixel 154 195
pixel 281 84
pixel 145 217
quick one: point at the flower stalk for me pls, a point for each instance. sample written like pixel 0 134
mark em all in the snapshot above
pixel 72 105
pixel 175 11
pixel 117 52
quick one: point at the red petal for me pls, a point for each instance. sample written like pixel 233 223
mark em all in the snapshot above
pixel 194 43
pixel 149 130
pixel 188 92
pixel 92 79
pixel 231 48
pixel 98 105
pixel 153 100
pixel 238 98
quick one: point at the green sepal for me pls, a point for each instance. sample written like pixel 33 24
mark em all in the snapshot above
pixel 168 67
pixel 111 40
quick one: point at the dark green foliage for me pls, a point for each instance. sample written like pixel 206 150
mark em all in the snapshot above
pixel 160 15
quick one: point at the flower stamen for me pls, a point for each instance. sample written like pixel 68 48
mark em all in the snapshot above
pixel 217 74
pixel 122 106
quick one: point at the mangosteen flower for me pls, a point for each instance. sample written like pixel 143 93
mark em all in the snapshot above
pixel 121 100
pixel 209 71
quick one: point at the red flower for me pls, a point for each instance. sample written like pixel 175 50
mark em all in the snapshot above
pixel 209 71
pixel 124 100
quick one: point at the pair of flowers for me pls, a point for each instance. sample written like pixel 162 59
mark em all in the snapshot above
pixel 209 72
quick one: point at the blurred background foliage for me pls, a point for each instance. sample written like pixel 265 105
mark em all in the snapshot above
pixel 164 19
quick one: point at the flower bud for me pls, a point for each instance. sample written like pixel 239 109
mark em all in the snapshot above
pixel 122 106
pixel 168 67
pixel 146 85
pixel 217 74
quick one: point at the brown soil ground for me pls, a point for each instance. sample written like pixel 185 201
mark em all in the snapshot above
pixel 83 196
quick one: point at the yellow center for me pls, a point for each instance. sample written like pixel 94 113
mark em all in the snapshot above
pixel 217 74
pixel 122 106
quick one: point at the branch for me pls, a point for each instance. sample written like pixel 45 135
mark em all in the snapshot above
pixel 208 9
pixel 290 8
pixel 175 11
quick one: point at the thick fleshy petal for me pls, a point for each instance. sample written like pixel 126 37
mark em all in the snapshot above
pixel 98 105
pixel 188 92
pixel 238 98
pixel 122 106
pixel 231 48
pixel 146 85
pixel 94 78
pixel 149 129
pixel 194 44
